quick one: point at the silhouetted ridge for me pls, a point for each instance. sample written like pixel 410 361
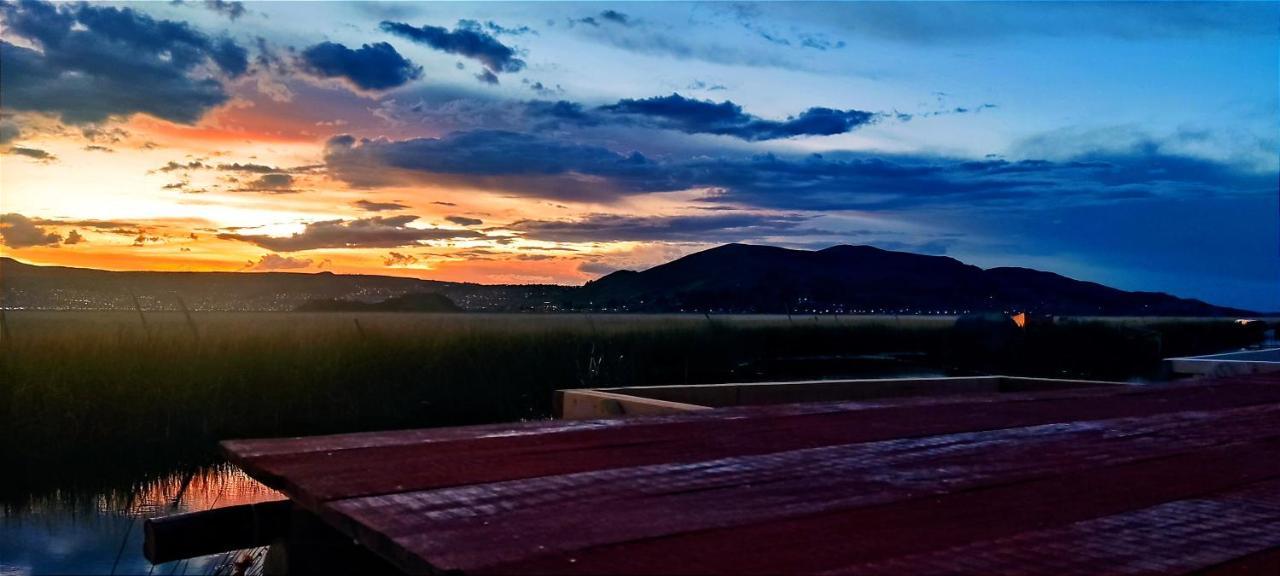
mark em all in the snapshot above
pixel 864 279
pixel 729 278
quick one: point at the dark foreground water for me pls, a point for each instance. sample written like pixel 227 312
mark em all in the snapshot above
pixel 102 533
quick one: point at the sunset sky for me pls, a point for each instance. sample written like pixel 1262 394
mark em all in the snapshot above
pixel 1130 144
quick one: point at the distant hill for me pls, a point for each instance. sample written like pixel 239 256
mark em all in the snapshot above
pixel 415 302
pixel 862 279
pixel 56 287
pixel 731 278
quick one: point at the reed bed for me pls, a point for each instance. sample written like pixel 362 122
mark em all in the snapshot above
pixel 102 397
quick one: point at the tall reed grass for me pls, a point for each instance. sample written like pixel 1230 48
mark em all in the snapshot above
pixel 105 393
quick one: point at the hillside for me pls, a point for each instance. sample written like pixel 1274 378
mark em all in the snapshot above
pixel 56 287
pixel 862 279
pixel 731 278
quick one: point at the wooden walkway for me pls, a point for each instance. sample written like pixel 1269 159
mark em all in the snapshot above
pixel 1172 479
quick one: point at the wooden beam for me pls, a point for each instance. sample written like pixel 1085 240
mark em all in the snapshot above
pixel 194 534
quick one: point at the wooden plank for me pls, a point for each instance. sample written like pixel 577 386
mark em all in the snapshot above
pixel 314 477
pixel 472 526
pixel 1172 538
pixel 256 448
pixel 815 543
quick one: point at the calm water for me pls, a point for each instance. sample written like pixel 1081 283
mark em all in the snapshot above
pixel 102 533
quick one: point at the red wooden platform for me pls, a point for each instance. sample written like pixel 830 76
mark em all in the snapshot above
pixel 1169 479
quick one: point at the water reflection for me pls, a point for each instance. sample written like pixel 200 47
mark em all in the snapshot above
pixel 102 533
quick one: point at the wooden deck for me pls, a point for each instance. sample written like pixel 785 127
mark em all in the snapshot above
pixel 1171 479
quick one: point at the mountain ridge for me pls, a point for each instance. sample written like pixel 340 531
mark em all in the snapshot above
pixel 734 277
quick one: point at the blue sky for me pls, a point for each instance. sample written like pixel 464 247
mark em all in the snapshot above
pixel 1133 144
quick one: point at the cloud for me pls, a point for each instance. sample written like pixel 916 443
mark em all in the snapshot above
pixel 487 77
pixel 90 61
pixel 74 238
pixel 374 232
pixel 519 163
pixel 33 153
pixel 9 132
pixel 466 42
pixel 618 228
pixel 18 231
pixel 230 9
pixel 272 183
pixel 495 28
pixel 464 221
pixel 278 262
pixel 95 224
pixel 255 168
pixel 172 166
pixel 615 17
pixel 540 88
pixel 556 168
pixel 370 206
pixel 370 67
pixel 726 118
pixel 710 87
pixel 398 259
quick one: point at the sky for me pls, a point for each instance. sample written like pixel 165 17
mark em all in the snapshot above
pixel 1132 144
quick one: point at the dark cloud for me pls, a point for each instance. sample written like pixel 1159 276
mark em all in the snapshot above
pixel 248 167
pixel 230 9
pixel 173 166
pixel 33 153
pixel 399 259
pixel 726 118
pixel 278 262
pixel 9 132
pixel 92 63
pixel 467 42
pixel 487 77
pixel 615 17
pixel 371 67
pixel 271 183
pixel 905 117
pixel 520 163
pixel 95 224
pixel 495 28
pixel 554 168
pixel 374 232
pixel 18 231
pixel 104 135
pixel 616 228
pixel 464 221
pixel 97 148
pixel 561 111
pixel 370 206
pixel 700 85
pixel 541 88
pixel 749 17
pixel 74 238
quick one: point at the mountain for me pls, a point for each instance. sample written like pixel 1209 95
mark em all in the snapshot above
pixel 55 287
pixel 861 279
pixel 729 278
